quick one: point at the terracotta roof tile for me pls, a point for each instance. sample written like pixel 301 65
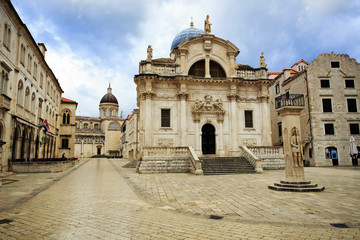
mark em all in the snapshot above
pixel 67 100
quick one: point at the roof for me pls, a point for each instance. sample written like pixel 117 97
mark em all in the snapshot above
pixel 109 98
pixel 274 73
pixel 184 34
pixel 301 61
pixel 65 100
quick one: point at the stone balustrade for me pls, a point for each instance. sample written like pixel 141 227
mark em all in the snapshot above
pixel 196 167
pixel 254 160
pixel 271 157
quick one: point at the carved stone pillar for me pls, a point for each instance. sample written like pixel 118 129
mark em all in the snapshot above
pixel 207 67
pixel 183 131
pixel 221 138
pixel 148 118
pixel 234 131
pixel 197 137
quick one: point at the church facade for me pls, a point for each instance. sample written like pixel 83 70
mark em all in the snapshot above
pixel 100 136
pixel 200 97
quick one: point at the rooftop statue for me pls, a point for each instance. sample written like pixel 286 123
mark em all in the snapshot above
pixel 149 53
pixel 207 27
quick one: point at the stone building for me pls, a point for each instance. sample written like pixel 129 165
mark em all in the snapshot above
pixel 200 97
pixel 66 144
pixel 100 135
pixel 331 86
pixel 30 93
pixel 130 136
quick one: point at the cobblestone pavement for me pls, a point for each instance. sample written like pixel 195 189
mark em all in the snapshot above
pixel 100 200
pixel 245 197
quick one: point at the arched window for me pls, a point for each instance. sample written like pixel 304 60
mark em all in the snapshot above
pixel 27 98
pixel 4 82
pixel 110 113
pixel 22 54
pixel 104 113
pixel 216 71
pixel 198 69
pixel 33 102
pixel 96 126
pixel 20 93
pixel 86 126
pixel 66 117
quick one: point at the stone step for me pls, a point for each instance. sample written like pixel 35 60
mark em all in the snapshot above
pixel 304 186
pixel 225 165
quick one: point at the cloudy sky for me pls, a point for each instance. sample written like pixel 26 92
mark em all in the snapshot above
pixel 91 43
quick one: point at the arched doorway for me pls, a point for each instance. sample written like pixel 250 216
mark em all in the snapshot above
pixel 98 150
pixel 208 139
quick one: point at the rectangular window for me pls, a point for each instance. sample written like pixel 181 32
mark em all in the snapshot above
pixel 277 89
pixel 280 129
pixel 165 117
pixel 351 102
pixel 354 128
pixel 349 83
pixel 329 128
pixel 327 107
pixel 335 64
pixel 65 143
pixel 325 83
pixel 249 119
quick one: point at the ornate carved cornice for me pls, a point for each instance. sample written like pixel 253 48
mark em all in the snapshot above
pixel 233 96
pixel 147 94
pixel 208 107
pixel 182 95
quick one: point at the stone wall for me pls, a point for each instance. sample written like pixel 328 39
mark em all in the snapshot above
pixel 43 167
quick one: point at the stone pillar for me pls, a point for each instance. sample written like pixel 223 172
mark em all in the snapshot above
pixel 183 131
pixel 265 120
pixel 197 137
pixel 233 118
pixel 290 118
pixel 207 67
pixel 221 138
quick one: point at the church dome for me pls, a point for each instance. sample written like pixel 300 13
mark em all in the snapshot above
pixel 109 97
pixel 184 34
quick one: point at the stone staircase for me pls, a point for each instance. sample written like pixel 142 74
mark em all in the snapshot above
pixel 226 165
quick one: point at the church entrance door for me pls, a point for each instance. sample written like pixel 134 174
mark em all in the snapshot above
pixel 208 139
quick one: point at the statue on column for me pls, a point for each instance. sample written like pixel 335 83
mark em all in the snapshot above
pixel 149 53
pixel 207 27
pixel 296 148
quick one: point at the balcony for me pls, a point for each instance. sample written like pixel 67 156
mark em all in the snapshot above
pixel 5 102
pixel 289 100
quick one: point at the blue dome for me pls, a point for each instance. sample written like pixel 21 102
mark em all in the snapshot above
pixel 184 34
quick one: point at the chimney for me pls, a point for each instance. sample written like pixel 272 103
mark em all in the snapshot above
pixel 286 72
pixel 42 48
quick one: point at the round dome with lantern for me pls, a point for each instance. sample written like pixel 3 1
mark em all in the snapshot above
pixel 109 106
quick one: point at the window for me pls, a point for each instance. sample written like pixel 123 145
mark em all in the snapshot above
pixel 66 117
pixel 33 102
pixel 354 128
pixel 41 80
pixel 329 128
pixel 165 117
pixel 249 119
pixel 27 98
pixel 22 54
pixel 110 113
pixel 19 93
pixel 96 126
pixel 64 143
pixel 6 37
pixel 216 71
pixel 198 69
pixel 327 105
pixel 35 71
pixel 4 82
pixel 85 126
pixel 104 114
pixel 29 63
pixel 335 64
pixel 351 102
pixel 277 88
pixel 280 129
pixel 325 83
pixel 349 83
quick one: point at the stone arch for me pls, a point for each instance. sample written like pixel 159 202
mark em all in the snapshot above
pixel 66 114
pixel 198 69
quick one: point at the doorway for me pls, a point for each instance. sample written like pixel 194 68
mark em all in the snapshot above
pixel 331 153
pixel 208 139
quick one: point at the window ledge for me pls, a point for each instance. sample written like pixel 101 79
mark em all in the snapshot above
pixel 166 128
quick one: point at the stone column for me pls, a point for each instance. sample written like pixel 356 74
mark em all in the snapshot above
pixel 221 138
pixel 234 129
pixel 290 116
pixel 183 131
pixel 207 67
pixel 197 137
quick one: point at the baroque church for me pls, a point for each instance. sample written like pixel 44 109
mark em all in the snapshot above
pixel 201 98
pixel 100 136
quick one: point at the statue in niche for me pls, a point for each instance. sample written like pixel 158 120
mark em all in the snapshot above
pixel 262 60
pixel 149 53
pixel 207 25
pixel 296 148
pixel 218 105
